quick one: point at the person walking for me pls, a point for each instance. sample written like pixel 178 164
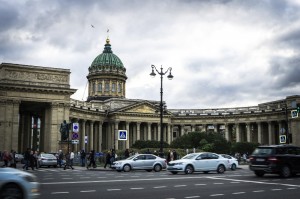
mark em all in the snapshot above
pixel 5 158
pixel 35 155
pixel 60 158
pixel 26 159
pixel 31 160
pixel 92 159
pixel 68 162
pixel 126 154
pixel 12 159
pixel 107 160
pixel 82 157
pixel 72 156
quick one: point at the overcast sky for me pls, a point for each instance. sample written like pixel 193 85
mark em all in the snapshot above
pixel 223 53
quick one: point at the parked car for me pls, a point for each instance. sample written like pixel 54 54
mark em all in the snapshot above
pixel 147 162
pixel 47 159
pixel 276 159
pixel 18 184
pixel 233 162
pixel 19 158
pixel 204 162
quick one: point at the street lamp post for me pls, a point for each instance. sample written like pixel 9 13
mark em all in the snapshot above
pixel 170 77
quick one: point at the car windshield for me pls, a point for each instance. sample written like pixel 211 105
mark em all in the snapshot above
pixel 190 156
pixel 48 156
pixel 263 151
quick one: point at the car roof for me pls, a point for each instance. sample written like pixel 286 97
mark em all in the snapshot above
pixel 277 146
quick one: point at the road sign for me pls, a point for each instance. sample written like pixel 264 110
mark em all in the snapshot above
pixel 75 141
pixel 122 135
pixel 75 127
pixel 282 139
pixel 282 131
pixel 85 139
pixel 294 113
pixel 75 136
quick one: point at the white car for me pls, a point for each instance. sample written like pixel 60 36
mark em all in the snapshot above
pixel 146 162
pixel 233 163
pixel 18 184
pixel 204 162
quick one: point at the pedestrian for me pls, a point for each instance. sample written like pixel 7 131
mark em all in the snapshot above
pixel 31 160
pixel 60 158
pixel 170 156
pixel 5 158
pixel 12 159
pixel 175 156
pixel 113 156
pixel 107 160
pixel 82 157
pixel 126 154
pixel 68 162
pixel 26 159
pixel 72 155
pixel 35 155
pixel 92 159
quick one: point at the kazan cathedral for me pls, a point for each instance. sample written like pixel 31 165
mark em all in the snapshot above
pixel 35 100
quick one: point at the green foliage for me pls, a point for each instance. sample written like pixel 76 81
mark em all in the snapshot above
pixel 244 147
pixel 141 144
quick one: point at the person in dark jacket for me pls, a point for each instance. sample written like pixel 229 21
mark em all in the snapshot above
pixel 27 159
pixel 92 159
pixel 82 157
pixel 107 159
pixel 31 160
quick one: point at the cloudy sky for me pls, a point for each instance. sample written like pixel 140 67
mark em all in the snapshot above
pixel 223 53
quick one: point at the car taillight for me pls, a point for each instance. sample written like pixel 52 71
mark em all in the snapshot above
pixel 251 158
pixel 272 159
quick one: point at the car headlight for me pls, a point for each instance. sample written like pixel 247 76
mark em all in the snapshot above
pixel 118 163
pixel 178 163
pixel 28 178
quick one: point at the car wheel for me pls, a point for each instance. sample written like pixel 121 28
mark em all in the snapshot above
pixel 157 168
pixel 221 169
pixel 285 171
pixel 189 169
pixel 259 173
pixel 174 172
pixel 11 191
pixel 233 167
pixel 126 168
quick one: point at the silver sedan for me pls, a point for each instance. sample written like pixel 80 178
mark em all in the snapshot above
pixel 47 159
pixel 146 162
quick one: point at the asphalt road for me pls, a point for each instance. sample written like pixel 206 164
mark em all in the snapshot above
pixel 81 183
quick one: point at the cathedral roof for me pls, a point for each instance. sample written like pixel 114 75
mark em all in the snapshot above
pixel 106 58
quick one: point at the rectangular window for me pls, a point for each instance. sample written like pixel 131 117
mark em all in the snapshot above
pixel 100 87
pixel 113 89
pixel 120 88
pixel 106 87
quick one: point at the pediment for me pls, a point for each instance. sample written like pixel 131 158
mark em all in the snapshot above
pixel 143 108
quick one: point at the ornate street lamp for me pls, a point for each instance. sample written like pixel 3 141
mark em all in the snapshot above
pixel 170 77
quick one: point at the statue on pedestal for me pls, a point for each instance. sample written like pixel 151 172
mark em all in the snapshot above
pixel 64 131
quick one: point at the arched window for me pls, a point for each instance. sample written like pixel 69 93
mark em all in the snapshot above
pixel 100 87
pixel 113 87
pixel 120 88
pixel 94 87
pixel 107 87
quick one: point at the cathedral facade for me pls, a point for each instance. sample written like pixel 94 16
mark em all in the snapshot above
pixel 35 100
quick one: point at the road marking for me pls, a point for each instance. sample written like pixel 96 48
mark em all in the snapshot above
pixel 276 189
pixel 59 192
pixel 113 189
pixel 235 182
pixel 236 193
pixel 192 197
pixel 137 188
pixel 88 191
pixel 292 188
pixel 218 183
pixel 182 185
pixel 258 191
pixel 67 178
pixel 159 187
pixel 200 184
pixel 219 194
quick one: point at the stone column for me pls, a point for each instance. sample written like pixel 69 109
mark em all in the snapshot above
pixel 138 131
pixel 127 141
pixel 181 130
pixel 155 132
pixel 271 133
pixel 91 136
pixel 116 142
pixel 227 132
pixel 238 133
pixel 169 133
pixel 193 128
pixel 248 132
pixel 216 128
pixel 99 136
pixel 158 132
pixel 82 135
pixel 259 133
pixel 149 131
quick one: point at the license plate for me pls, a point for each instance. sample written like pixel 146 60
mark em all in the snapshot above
pixel 260 159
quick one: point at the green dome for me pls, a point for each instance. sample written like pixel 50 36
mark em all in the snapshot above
pixel 107 58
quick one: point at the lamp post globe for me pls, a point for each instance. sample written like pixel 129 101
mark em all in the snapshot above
pixel 161 106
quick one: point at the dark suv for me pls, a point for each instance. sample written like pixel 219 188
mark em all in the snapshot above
pixel 277 159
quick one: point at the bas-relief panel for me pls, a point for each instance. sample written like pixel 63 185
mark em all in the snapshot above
pixel 36 76
pixel 142 109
